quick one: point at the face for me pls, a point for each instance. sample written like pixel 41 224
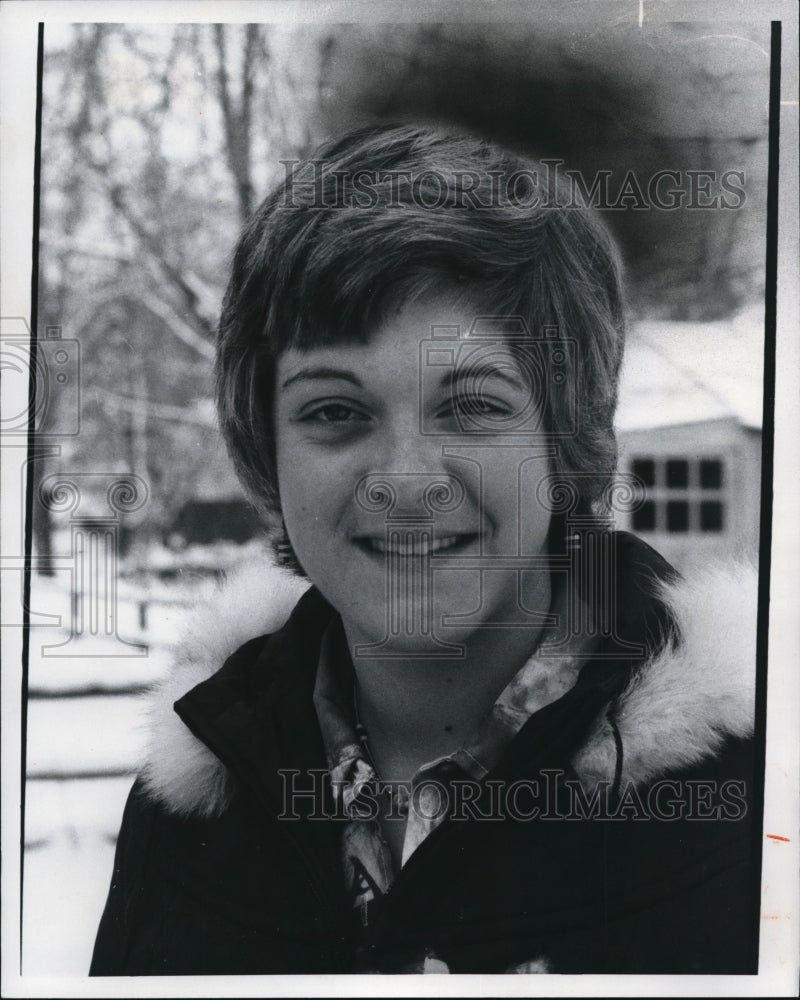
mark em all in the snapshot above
pixel 407 471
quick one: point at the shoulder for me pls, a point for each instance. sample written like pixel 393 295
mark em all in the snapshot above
pixel 693 694
pixel 179 770
pixel 696 693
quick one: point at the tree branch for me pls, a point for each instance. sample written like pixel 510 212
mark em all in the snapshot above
pixel 237 122
pixel 147 407
pixel 139 295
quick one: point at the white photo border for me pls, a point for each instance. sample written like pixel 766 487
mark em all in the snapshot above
pixel 779 961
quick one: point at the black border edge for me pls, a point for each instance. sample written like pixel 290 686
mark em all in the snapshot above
pixel 29 476
pixel 767 461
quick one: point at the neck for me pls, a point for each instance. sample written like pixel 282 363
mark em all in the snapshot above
pixel 418 708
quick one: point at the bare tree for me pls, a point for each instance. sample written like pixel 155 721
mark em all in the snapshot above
pixel 151 141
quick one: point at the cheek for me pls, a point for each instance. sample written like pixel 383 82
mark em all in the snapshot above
pixel 295 491
pixel 515 489
pixel 313 497
pixel 297 488
pixel 300 509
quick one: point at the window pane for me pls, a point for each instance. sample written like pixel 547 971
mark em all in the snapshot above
pixel 711 474
pixel 677 473
pixel 645 469
pixel 677 515
pixel 644 519
pixel 710 515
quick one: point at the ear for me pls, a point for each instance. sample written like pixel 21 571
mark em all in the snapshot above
pixel 285 555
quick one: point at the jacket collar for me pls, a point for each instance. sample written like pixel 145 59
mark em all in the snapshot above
pixel 686 697
pixel 256 713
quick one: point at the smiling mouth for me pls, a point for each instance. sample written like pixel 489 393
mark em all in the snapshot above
pixel 413 546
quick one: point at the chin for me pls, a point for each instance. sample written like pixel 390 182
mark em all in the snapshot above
pixel 416 630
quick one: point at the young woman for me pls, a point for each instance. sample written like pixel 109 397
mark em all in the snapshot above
pixel 475 730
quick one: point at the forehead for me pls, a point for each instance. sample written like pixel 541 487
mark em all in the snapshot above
pixel 432 331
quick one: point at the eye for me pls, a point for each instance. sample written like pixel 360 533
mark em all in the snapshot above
pixel 475 404
pixel 332 413
pixel 483 405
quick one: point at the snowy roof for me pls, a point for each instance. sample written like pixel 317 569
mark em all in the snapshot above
pixel 681 373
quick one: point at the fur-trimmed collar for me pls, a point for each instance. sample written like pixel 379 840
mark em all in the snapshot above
pixel 681 706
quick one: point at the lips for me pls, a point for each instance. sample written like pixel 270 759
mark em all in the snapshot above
pixel 410 545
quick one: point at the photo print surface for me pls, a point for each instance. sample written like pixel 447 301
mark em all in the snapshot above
pixel 397 490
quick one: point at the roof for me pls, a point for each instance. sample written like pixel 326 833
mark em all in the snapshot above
pixel 681 373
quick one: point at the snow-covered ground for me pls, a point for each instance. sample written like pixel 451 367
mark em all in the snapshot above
pixel 84 746
pixel 70 832
pixel 84 721
pixel 84 735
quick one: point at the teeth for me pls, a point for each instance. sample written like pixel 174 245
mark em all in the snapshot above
pixel 412 546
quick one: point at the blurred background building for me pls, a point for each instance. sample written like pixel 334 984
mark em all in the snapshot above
pixel 158 141
pixel 690 433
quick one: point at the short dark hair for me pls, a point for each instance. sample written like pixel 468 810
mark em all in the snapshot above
pixel 387 213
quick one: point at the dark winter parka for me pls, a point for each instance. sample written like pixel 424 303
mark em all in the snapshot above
pixel 634 851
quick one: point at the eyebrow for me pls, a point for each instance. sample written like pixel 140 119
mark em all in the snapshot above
pixel 320 374
pixel 450 379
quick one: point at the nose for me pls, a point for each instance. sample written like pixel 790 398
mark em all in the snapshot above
pixel 406 470
pixel 406 497
pixel 405 448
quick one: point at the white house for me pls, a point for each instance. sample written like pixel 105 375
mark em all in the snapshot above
pixel 689 429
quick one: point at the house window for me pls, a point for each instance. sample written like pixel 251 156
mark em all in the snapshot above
pixel 681 495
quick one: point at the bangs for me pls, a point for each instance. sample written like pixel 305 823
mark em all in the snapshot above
pixel 356 264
